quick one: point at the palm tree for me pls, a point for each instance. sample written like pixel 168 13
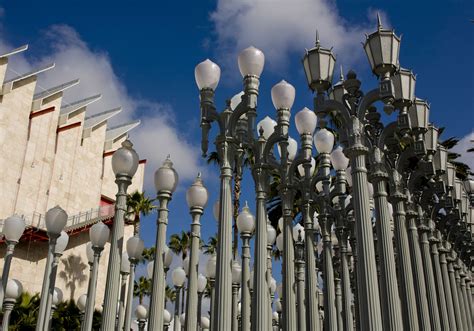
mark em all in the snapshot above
pixel 138 205
pixel 25 313
pixel 142 288
pixel 170 294
pixel 211 246
pixel 148 255
pixel 180 244
pixel 462 170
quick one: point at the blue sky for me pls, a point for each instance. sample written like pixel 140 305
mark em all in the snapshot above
pixel 142 55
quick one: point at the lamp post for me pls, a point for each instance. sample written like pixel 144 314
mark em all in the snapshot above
pixel 61 245
pixel 55 219
pixel 246 227
pixel 141 313
pixel 98 234
pixel 57 298
pixel 124 165
pixel 82 305
pixel 13 229
pixel 201 288
pixel 124 272
pixel 196 197
pixel 178 277
pixel 236 279
pixel 211 276
pixel 135 248
pixel 13 291
pixel 166 180
pixel 298 235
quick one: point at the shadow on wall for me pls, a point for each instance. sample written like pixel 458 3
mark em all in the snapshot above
pixel 74 273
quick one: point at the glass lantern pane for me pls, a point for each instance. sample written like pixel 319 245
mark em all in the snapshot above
pixel 396 80
pixel 369 54
pixel 412 87
pixel 314 66
pixel 405 86
pixel 375 47
pixel 414 116
pixel 307 69
pixel 332 62
pixel 395 51
pixel 324 66
pixel 386 44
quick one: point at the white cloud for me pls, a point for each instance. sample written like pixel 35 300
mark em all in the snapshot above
pixel 281 27
pixel 461 148
pixel 157 135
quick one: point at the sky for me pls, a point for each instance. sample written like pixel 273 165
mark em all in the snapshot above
pixel 141 55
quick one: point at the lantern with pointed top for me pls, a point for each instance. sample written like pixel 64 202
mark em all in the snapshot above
pixel 404 88
pixel 419 114
pixel 440 159
pixel 166 178
pixel 382 48
pixel 318 65
pixel 125 160
pixel 431 139
pixel 338 90
pixel 196 195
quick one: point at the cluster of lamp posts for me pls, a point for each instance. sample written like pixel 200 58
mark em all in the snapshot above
pixel 385 186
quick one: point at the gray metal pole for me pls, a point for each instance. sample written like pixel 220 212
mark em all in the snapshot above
pixel 300 293
pixel 348 322
pixel 91 291
pixel 46 279
pixel 447 286
pixel 390 299
pixel 418 273
pixel 454 292
pixel 465 298
pixel 52 284
pixel 123 297
pixel 428 271
pixel 116 244
pixel 245 295
pixel 405 273
pixel 8 305
pixel 340 324
pixel 191 323
pixel 235 307
pixel 176 324
pixel 369 299
pixel 6 266
pixel 462 309
pixel 157 300
pixel 443 310
pixel 128 306
pixel 211 304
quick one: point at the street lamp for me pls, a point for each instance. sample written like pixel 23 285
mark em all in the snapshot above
pixel 125 267
pixel 135 247
pixel 178 277
pixel 196 197
pixel 13 291
pixel 298 237
pixel 236 278
pixel 211 267
pixel 201 288
pixel 82 305
pixel 124 166
pixel 141 313
pixel 55 220
pixel 166 180
pixel 166 320
pixel 98 234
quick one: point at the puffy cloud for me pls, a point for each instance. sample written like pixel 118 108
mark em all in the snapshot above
pixel 282 27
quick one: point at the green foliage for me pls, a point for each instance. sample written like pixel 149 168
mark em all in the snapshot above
pixel 179 243
pixel 25 312
pixel 138 204
pixel 142 288
pixel 211 246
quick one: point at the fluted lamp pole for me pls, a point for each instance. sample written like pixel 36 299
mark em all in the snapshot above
pixel 178 277
pixel 135 248
pixel 13 291
pixel 99 234
pixel 201 288
pixel 298 237
pixel 55 219
pixel 196 197
pixel 166 180
pixel 124 272
pixel 124 166
pixel 236 279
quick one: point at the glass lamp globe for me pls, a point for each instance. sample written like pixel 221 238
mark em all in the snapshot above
pixel 306 121
pixel 169 255
pixel 278 306
pixel 275 316
pixel 13 228
pixel 61 243
pixel 268 126
pixel 271 234
pixel 311 170
pixel 81 303
pixel 186 265
pixel 211 266
pixel 235 100
pixel 236 272
pixel 279 242
pixel 55 220
pixel 251 61
pixel 390 210
pixel 215 210
pixel 196 195
pixel 166 178
pixel 125 263
pixel 125 160
pixel 178 277
pixel 205 323
pixel 469 186
pixel 202 282
pixel 283 95
pixel 135 247
pixel 57 296
pixel 280 224
pixel 141 312
pixel 292 148
pixel 371 190
pixel 273 285
pixel 324 141
pixel 182 318
pixel 99 234
pixel 349 176
pixel 89 253
pixel 319 186
pixel 14 289
pixel 166 317
pixel 338 159
pixel 298 230
pixel 318 66
pixel 245 220
pixel 207 75
pixel 149 269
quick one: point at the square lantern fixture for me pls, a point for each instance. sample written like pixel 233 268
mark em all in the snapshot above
pixel 431 139
pixel 318 65
pixel 337 92
pixel 419 114
pixel 404 87
pixel 457 190
pixel 440 159
pixel 382 48
pixel 464 204
pixel 450 175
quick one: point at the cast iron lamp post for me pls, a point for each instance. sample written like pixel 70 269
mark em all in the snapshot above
pixel 55 219
pixel 99 234
pixel 196 197
pixel 13 291
pixel 124 166
pixel 298 237
pixel 166 180
pixel 135 248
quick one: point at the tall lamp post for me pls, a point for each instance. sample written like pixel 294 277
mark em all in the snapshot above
pixel 166 180
pixel 55 219
pixel 178 277
pixel 98 234
pixel 13 291
pixel 202 283
pixel 135 248
pixel 196 197
pixel 124 165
